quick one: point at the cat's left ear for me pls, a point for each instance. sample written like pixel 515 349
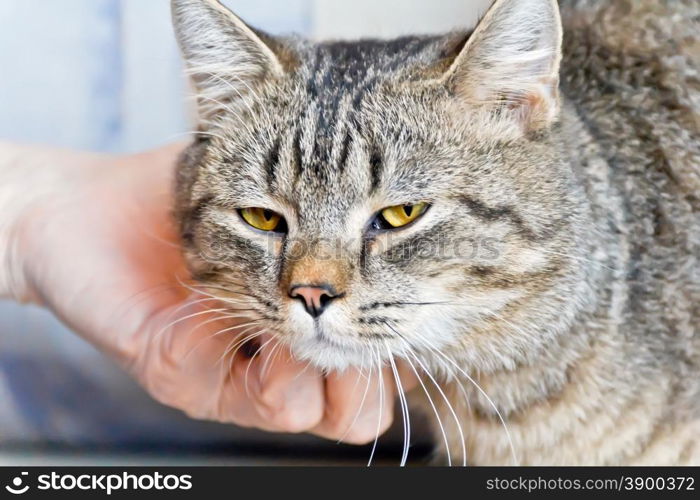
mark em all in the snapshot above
pixel 509 67
pixel 223 54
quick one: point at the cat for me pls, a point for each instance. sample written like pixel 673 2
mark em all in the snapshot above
pixel 513 211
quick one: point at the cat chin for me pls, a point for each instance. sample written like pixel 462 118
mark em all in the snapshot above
pixel 330 356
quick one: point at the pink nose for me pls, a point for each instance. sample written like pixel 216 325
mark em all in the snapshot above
pixel 314 297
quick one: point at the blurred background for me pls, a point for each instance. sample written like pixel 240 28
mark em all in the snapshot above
pixel 105 75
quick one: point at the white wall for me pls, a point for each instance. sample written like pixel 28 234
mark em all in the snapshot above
pixel 105 74
pixel 390 18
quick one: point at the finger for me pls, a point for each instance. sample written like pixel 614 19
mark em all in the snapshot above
pixel 188 362
pixel 187 365
pixel 409 380
pixel 287 395
pixel 357 411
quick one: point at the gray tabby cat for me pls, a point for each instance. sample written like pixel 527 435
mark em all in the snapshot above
pixel 515 211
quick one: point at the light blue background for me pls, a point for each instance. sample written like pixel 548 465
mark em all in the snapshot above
pixel 104 74
pixel 101 75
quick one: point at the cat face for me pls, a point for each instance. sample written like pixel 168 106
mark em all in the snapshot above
pixel 369 199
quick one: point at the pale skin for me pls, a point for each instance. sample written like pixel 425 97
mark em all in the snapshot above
pixel 90 237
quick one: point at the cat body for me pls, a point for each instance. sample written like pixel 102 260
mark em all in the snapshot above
pixel 622 386
pixel 566 161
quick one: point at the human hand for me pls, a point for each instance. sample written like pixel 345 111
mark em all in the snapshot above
pixel 95 243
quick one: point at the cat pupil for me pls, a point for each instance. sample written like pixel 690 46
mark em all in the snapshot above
pixel 408 209
pixel 268 215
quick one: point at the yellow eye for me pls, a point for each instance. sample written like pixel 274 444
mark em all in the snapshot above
pixel 263 219
pixel 402 215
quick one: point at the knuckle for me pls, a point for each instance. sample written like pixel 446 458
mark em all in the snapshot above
pixel 195 414
pixel 360 436
pixel 295 420
pixel 371 430
pixel 353 430
pixel 339 425
pixel 387 422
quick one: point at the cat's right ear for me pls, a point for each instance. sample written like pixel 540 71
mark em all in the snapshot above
pixel 224 56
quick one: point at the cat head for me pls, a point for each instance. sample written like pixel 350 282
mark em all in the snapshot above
pixel 375 198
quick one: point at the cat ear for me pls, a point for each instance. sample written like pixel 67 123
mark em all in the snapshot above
pixel 224 56
pixel 509 67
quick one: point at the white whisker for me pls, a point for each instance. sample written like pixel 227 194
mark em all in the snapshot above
pixel 435 411
pixel 243 337
pixel 483 393
pixel 449 407
pixel 404 408
pixel 362 402
pixel 233 350
pixel 275 350
pixel 381 406
pixel 185 318
pixel 216 334
pixel 250 363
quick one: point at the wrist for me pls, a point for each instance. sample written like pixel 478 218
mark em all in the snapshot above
pixel 30 179
pixel 13 282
